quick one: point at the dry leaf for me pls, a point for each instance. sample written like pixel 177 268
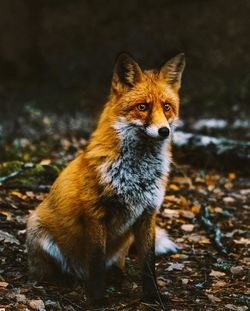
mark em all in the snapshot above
pixel 216 273
pixel 19 195
pixel 219 283
pixel 187 214
pixel 170 213
pixel 174 187
pixel 187 227
pixel 236 308
pixel 45 162
pixel 4 284
pixel 231 176
pixel 242 241
pixel 196 209
pixel 175 266
pixel 228 200
pixel 185 281
pixel 212 298
pixel 37 304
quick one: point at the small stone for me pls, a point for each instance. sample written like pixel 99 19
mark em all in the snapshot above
pixel 237 270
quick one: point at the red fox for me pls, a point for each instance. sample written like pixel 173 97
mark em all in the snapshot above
pixel 107 198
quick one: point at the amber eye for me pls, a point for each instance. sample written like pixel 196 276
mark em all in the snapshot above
pixel 142 107
pixel 166 107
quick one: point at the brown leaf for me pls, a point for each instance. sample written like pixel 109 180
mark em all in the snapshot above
pixel 187 214
pixel 219 283
pixel 187 227
pixel 212 298
pixel 37 304
pixel 4 284
pixel 216 273
pixel 242 241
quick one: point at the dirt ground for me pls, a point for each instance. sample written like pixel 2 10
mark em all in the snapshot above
pixel 198 277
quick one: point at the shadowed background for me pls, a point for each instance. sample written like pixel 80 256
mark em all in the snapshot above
pixel 57 56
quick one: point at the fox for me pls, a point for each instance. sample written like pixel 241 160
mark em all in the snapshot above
pixel 107 198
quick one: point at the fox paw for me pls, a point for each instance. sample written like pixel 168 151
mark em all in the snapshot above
pixel 163 244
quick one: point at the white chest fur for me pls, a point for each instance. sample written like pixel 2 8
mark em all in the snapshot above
pixel 137 174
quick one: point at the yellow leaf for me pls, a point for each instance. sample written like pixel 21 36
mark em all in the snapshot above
pixel 231 176
pixel 173 187
pixel 19 195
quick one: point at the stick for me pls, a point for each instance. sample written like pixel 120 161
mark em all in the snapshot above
pixel 212 228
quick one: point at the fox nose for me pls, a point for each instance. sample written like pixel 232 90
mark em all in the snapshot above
pixel 163 132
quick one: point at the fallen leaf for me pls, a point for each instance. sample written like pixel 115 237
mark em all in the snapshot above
pixel 4 284
pixel 212 298
pixel 162 283
pixel 185 281
pixel 242 241
pixel 187 214
pixel 196 209
pixel 216 273
pixel 228 200
pixel 170 213
pixel 21 298
pixel 37 304
pixel 45 162
pixel 218 210
pixel 236 308
pixel 205 241
pixel 174 187
pixel 219 283
pixel 231 176
pixel 19 195
pixel 175 266
pixel 187 227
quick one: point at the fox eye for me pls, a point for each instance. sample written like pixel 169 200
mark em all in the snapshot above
pixel 142 107
pixel 166 106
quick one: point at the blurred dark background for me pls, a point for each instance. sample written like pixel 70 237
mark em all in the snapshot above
pixel 56 56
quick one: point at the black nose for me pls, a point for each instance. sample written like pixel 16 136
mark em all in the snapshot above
pixel 163 132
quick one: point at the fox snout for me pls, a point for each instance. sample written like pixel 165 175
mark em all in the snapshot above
pixel 160 132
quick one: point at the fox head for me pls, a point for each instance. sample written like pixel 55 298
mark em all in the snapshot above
pixel 147 101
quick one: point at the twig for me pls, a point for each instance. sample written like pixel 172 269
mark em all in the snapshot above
pixel 13 175
pixel 212 228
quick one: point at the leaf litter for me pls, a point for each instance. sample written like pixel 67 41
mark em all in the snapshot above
pixel 198 277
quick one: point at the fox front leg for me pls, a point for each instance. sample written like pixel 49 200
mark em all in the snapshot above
pixel 144 232
pixel 95 281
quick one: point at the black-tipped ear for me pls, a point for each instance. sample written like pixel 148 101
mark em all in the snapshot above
pixel 126 72
pixel 172 70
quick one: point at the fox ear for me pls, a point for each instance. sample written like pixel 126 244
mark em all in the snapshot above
pixel 172 70
pixel 126 72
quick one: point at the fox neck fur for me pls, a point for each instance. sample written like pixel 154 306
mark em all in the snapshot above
pixel 135 175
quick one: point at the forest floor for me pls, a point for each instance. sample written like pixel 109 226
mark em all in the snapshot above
pixel 201 276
